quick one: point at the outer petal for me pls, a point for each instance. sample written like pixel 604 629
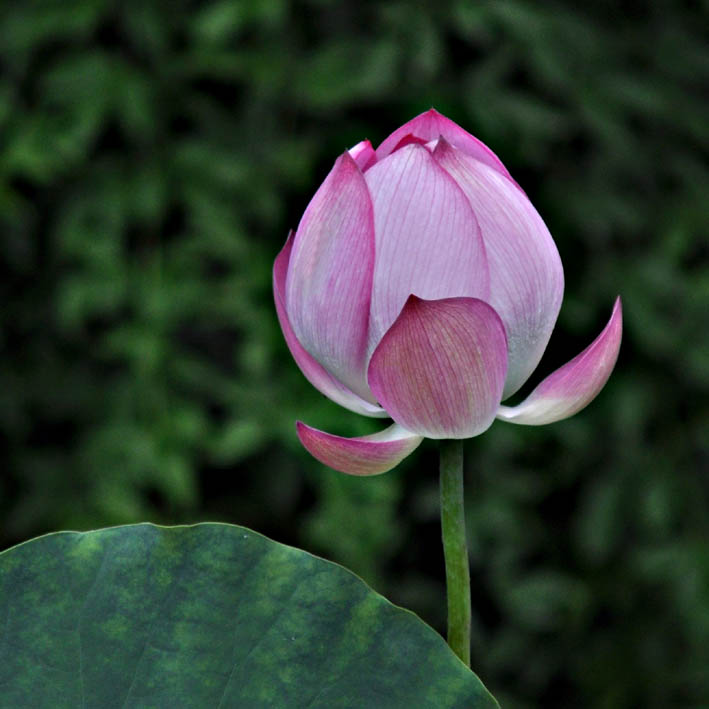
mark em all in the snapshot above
pixel 571 387
pixel 367 455
pixel 526 276
pixel 314 372
pixel 363 154
pixel 440 369
pixel 432 125
pixel 329 280
pixel 427 238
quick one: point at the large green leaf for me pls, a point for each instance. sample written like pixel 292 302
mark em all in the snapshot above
pixel 208 616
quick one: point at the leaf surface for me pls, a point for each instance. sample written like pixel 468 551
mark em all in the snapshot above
pixel 211 615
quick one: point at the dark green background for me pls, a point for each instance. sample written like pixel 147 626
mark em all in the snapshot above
pixel 153 156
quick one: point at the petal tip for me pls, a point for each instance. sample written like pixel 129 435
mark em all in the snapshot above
pixel 413 299
pixel 346 160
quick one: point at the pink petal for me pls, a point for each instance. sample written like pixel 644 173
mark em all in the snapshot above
pixel 409 139
pixel 427 238
pixel 363 154
pixel 367 455
pixel 575 385
pixel 432 125
pixel 440 369
pixel 329 279
pixel 315 373
pixel 526 276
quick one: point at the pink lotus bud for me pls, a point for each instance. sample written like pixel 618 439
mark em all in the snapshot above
pixel 421 284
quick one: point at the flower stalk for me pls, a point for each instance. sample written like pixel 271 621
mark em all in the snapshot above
pixel 455 548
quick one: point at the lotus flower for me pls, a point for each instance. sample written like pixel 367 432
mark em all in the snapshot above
pixel 422 285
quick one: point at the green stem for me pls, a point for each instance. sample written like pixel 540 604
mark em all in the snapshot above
pixel 455 548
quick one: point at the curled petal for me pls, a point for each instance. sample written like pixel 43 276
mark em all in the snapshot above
pixel 427 238
pixel 439 370
pixel 575 385
pixel 431 125
pixel 314 372
pixel 329 281
pixel 363 154
pixel 526 275
pixel 366 455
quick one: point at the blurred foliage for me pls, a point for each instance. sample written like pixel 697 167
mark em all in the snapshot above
pixel 153 156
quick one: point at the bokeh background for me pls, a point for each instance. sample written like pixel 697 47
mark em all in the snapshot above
pixel 154 153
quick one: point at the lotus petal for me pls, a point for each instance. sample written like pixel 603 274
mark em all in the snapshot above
pixel 363 154
pixel 427 238
pixel 329 280
pixel 575 385
pixel 314 372
pixel 431 125
pixel 526 275
pixel 440 368
pixel 410 139
pixel 366 455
